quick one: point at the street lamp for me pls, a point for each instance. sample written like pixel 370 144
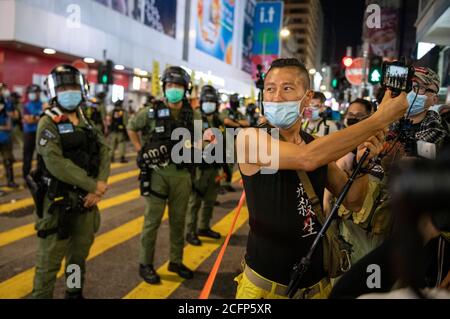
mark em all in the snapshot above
pixel 284 33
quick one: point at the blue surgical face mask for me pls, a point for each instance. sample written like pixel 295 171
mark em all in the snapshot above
pixel 6 93
pixel 315 114
pixel 209 107
pixel 69 100
pixel 32 96
pixel 174 95
pixel 419 103
pixel 283 114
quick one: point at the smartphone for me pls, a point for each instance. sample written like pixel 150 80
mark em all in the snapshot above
pixel 397 77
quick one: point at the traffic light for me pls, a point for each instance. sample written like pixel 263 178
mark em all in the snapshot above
pixel 347 61
pixel 375 69
pixel 334 83
pixel 105 73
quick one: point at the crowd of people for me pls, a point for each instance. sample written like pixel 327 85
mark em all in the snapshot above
pixel 76 139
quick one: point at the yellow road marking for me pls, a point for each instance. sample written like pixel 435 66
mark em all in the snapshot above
pixel 33 163
pixel 28 201
pixel 193 258
pixel 22 232
pixel 22 284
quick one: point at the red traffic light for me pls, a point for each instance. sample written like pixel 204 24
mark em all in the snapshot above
pixel 347 61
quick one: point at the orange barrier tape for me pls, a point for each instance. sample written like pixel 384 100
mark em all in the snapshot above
pixel 212 276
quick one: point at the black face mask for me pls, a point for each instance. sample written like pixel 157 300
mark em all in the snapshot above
pixel 352 121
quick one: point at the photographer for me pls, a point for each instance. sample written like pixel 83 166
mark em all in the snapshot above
pixel 367 228
pixel 282 219
pixel 318 117
pixel 416 256
pixel 426 124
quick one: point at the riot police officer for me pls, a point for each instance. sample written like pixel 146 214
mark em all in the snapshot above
pixel 118 120
pixel 206 182
pixel 73 167
pixel 232 118
pixel 95 113
pixel 163 180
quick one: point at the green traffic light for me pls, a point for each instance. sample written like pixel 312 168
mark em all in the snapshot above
pixel 334 83
pixel 104 79
pixel 375 76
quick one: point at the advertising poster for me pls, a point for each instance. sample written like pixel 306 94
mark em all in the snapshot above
pixel 120 6
pixel 214 28
pixel 161 15
pixel 383 40
pixel 247 41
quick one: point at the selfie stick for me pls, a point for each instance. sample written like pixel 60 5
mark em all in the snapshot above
pixel 300 268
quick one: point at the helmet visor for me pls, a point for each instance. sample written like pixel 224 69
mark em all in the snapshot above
pixel 73 80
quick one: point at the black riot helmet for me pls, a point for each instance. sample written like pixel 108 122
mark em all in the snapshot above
pixel 176 74
pixel 209 94
pixel 66 75
pixel 251 108
pixel 34 88
pixel 118 104
pixel 234 101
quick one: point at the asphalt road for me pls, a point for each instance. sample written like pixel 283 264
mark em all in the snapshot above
pixel 112 267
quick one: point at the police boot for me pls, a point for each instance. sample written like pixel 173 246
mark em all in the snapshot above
pixel 193 239
pixel 10 174
pixel 74 295
pixel 181 270
pixel 208 232
pixel 123 160
pixel 148 273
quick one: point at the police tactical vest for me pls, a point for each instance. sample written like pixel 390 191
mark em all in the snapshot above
pixel 157 150
pixel 79 144
pixel 117 124
pixel 233 115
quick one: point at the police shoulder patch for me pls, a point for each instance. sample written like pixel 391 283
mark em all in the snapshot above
pixel 43 141
pixel 48 135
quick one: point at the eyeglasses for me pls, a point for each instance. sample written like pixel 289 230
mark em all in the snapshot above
pixel 423 90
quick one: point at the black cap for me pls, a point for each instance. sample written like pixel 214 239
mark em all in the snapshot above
pixel 176 74
pixel 209 94
pixel 65 75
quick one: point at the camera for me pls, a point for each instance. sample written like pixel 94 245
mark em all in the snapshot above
pixel 397 76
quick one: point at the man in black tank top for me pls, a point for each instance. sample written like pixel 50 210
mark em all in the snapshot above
pixel 282 222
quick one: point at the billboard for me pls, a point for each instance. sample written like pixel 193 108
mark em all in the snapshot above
pixel 247 41
pixel 160 15
pixel 214 28
pixel 267 24
pixel 383 39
